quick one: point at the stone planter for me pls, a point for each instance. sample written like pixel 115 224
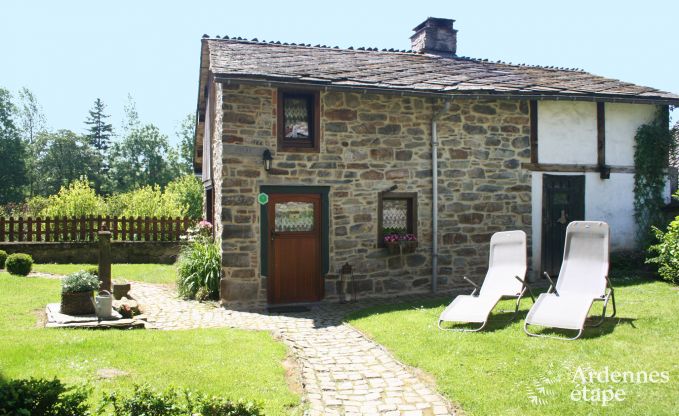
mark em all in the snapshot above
pixel 121 290
pixel 77 303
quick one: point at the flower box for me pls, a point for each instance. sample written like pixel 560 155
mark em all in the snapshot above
pixel 408 247
pixel 397 243
pixel 77 303
pixel 401 247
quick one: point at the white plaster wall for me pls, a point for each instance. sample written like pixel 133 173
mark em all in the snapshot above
pixel 610 200
pixel 567 132
pixel 622 122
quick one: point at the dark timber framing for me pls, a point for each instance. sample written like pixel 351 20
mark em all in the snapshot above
pixel 600 134
pixel 557 167
pixel 533 131
pixel 604 170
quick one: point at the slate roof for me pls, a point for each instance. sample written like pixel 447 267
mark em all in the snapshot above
pixel 405 71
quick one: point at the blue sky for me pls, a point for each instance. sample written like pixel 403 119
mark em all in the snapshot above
pixel 71 52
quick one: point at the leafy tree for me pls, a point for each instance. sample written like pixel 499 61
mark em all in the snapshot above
pixel 99 132
pixel 66 156
pixel 140 159
pixel 186 135
pixel 187 191
pixel 32 119
pixel 12 153
pixel 131 118
pixel 32 123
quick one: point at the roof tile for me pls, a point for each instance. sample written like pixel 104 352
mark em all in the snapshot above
pixel 412 72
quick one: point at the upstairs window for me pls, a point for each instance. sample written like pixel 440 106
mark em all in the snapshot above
pixel 298 121
pixel 397 214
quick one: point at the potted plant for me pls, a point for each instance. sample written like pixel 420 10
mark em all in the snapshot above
pixel 77 293
pixel 400 243
pixel 391 242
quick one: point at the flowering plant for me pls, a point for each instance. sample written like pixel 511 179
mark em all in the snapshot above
pixel 201 231
pixel 397 238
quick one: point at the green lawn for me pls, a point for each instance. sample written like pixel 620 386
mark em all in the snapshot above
pixel 502 371
pixel 150 273
pixel 226 362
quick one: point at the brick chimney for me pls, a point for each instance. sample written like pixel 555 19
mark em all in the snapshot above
pixel 435 36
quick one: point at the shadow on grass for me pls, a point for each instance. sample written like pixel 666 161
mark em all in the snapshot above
pixel 497 320
pixel 372 310
pixel 590 332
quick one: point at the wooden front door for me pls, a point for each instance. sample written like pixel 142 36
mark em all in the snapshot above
pixel 563 201
pixel 294 248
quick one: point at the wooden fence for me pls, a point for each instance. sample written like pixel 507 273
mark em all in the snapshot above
pixel 85 228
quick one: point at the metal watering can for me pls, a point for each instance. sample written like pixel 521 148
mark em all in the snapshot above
pixel 103 304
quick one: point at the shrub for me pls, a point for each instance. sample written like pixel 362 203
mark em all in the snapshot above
pixel 3 258
pixel 666 252
pixel 145 401
pixel 148 201
pixel 76 200
pixel 81 281
pixel 199 266
pixel 93 271
pixel 19 264
pixel 187 191
pixel 42 397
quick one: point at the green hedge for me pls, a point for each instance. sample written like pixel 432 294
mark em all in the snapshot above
pixel 19 264
pixel 40 397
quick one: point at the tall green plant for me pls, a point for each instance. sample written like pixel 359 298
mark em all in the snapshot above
pixel 187 191
pixel 199 269
pixel 665 254
pixel 653 144
pixel 147 201
pixel 76 200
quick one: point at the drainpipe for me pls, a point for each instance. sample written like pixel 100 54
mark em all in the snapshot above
pixel 435 196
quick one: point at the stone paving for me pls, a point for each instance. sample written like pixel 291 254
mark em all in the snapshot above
pixel 343 372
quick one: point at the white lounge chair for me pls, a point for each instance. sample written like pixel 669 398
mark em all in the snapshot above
pixel 504 279
pixel 583 279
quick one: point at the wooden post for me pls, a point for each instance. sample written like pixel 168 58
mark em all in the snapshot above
pixel 104 259
pixel 38 229
pixel 123 229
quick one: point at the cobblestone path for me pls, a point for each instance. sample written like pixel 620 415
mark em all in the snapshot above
pixel 343 372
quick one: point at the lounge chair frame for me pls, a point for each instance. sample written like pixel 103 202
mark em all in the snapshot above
pixel 518 297
pixel 609 295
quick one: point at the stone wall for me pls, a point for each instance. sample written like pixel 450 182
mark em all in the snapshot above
pixel 369 143
pixel 164 252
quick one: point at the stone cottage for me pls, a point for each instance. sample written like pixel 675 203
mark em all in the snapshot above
pixel 311 155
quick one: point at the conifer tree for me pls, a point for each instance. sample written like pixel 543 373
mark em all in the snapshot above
pixel 99 132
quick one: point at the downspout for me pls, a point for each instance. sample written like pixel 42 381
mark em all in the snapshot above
pixel 435 196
